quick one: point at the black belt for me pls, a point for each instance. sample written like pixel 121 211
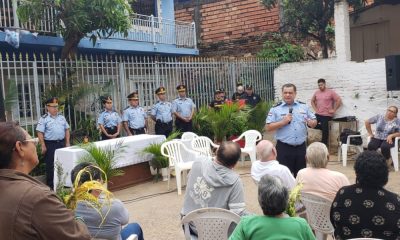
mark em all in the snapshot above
pixel 54 141
pixel 159 121
pixel 110 128
pixel 137 129
pixel 294 146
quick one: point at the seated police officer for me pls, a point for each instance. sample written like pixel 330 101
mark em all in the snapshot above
pixel 53 133
pixel 134 116
pixel 219 99
pixel 161 113
pixel 109 120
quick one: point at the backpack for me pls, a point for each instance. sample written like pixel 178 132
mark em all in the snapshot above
pixel 354 140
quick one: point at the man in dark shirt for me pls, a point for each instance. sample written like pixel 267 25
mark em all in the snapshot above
pixel 252 98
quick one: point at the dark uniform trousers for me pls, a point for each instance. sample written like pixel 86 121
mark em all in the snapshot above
pixel 323 125
pixel 111 130
pixel 375 143
pixel 137 131
pixel 163 128
pixel 293 157
pixel 183 126
pixel 51 146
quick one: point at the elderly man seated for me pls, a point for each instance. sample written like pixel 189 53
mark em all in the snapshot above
pixel 274 224
pixel 316 178
pixel 268 165
pixel 215 184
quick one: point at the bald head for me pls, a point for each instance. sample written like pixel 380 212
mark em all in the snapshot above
pixel 266 151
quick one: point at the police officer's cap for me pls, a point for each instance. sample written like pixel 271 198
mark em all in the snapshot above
pixel 249 87
pixel 52 102
pixel 181 88
pixel 220 90
pixel 160 90
pixel 239 84
pixel 133 96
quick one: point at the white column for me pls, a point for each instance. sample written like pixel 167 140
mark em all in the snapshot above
pixel 342 31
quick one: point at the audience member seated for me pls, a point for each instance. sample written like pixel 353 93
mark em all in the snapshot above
pixel 29 209
pixel 387 128
pixel 366 209
pixel 275 224
pixel 215 184
pixel 268 165
pixel 103 214
pixel 316 178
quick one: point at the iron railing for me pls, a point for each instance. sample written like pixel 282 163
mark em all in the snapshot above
pixel 156 30
pixel 26 80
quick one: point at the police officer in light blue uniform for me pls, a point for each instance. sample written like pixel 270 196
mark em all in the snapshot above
pixel 161 113
pixel 53 133
pixel 183 109
pixel 134 116
pixel 109 120
pixel 290 119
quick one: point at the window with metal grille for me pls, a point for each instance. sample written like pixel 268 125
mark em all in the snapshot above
pixel 145 7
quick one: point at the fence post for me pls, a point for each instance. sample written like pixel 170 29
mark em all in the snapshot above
pixel 194 35
pixel 153 33
pixel 36 88
pixel 122 83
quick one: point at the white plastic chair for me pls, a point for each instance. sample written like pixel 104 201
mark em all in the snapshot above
pixel 173 150
pixel 210 223
pixel 318 210
pixel 394 153
pixel 251 138
pixel 189 135
pixel 204 146
pixel 343 148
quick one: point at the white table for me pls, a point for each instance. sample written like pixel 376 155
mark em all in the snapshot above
pixel 132 146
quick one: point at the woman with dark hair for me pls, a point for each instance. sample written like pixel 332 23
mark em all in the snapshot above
pixel 109 120
pixel 29 209
pixel 104 215
pixel 273 198
pixel 366 209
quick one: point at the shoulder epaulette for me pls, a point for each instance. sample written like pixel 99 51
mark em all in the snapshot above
pixel 278 104
pixel 44 115
pixel 301 102
pixel 126 108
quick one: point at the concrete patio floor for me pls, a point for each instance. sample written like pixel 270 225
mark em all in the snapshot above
pixel 157 210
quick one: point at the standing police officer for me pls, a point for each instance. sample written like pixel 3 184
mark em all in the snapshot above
pixel 290 119
pixel 183 109
pixel 109 120
pixel 134 116
pixel 53 133
pixel 161 113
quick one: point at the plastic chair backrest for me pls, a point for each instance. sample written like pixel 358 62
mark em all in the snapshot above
pixel 174 153
pixel 318 210
pixel 251 137
pixel 203 146
pixel 189 135
pixel 210 223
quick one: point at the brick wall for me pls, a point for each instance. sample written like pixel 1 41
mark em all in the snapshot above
pixel 229 27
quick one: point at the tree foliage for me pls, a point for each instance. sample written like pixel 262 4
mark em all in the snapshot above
pixel 310 18
pixel 280 49
pixel 76 19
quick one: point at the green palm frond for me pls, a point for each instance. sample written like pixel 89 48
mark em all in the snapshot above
pixel 258 115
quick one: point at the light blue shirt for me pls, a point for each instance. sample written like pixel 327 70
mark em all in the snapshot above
pixel 294 133
pixel 162 111
pixel 183 106
pixel 52 127
pixel 135 116
pixel 109 119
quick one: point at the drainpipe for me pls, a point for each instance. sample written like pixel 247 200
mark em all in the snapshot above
pixel 14 9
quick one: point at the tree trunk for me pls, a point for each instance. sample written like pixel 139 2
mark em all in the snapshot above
pixel 324 43
pixel 71 45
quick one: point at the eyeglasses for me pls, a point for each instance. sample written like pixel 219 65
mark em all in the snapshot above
pixel 33 140
pixel 390 110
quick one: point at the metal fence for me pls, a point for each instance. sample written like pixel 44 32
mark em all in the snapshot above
pixel 26 80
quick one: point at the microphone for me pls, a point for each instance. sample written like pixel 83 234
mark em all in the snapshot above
pixel 290 111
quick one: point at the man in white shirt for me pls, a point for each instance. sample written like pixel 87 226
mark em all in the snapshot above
pixel 268 165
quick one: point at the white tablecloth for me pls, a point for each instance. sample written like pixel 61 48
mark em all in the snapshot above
pixel 132 146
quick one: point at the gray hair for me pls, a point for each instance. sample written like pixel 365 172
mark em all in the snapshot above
pixel 264 152
pixel 273 196
pixel 317 155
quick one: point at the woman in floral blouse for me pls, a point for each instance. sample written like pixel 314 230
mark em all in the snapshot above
pixel 366 209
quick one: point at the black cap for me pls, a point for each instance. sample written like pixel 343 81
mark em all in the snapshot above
pixel 160 90
pixel 181 88
pixel 239 84
pixel 133 96
pixel 249 87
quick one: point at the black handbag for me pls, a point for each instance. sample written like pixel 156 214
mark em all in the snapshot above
pixel 354 140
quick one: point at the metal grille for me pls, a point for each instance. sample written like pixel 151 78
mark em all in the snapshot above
pixel 26 80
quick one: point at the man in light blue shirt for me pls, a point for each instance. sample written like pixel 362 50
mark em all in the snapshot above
pixel 134 116
pixel 53 133
pixel 290 119
pixel 161 113
pixel 183 109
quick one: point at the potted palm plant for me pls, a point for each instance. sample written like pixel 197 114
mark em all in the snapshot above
pixel 158 161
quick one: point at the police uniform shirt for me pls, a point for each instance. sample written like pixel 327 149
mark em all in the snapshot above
pixel 162 111
pixel 52 127
pixel 135 116
pixel 109 119
pixel 294 133
pixel 183 106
